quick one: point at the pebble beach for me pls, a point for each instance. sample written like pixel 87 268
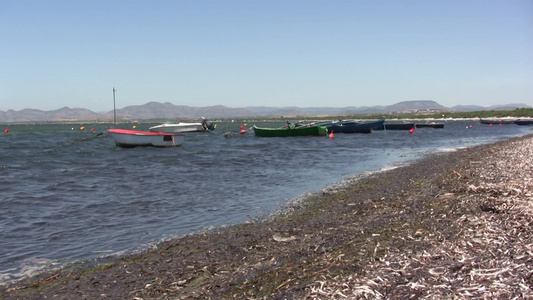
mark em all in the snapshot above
pixel 455 225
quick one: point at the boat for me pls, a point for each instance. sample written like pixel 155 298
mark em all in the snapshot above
pixel 127 138
pixel 429 125
pixel 396 126
pixel 524 122
pixel 497 121
pixel 352 126
pixel 183 127
pixel 291 130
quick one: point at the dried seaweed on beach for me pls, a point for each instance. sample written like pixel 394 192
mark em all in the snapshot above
pixel 490 258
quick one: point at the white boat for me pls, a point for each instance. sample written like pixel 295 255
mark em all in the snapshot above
pixel 203 126
pixel 132 138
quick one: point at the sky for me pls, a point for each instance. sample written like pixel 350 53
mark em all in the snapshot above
pixel 241 53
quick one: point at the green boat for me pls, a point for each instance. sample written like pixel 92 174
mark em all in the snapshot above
pixel 291 131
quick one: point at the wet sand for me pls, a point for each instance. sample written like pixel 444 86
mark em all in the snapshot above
pixel 453 225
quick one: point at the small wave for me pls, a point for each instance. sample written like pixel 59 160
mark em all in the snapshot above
pixel 29 267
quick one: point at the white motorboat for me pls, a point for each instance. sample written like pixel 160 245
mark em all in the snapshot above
pixel 127 138
pixel 203 126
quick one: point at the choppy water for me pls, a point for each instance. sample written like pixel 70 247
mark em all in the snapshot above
pixel 67 194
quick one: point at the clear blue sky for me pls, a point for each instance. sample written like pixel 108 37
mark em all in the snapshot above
pixel 264 53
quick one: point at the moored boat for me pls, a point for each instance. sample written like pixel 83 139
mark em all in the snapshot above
pixel 396 126
pixel 429 125
pixel 127 138
pixel 524 122
pixel 203 126
pixel 352 126
pixel 497 121
pixel 291 130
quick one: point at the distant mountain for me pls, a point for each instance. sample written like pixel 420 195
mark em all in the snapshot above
pixel 415 105
pixel 157 110
pixel 169 111
pixel 405 106
pixel 297 111
pixel 510 106
pixel 467 108
pixel 62 114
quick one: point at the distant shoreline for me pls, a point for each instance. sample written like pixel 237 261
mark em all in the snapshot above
pixel 314 119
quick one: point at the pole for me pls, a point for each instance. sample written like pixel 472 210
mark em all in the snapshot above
pixel 114 108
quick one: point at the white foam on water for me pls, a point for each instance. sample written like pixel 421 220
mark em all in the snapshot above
pixel 29 267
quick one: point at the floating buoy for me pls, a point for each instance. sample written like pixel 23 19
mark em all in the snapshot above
pixel 92 129
pixel 82 128
pixel 490 125
pixel 134 126
pixel 243 131
pixel 412 130
pixel 331 135
pixel 7 130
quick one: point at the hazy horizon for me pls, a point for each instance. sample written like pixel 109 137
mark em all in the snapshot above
pixel 258 106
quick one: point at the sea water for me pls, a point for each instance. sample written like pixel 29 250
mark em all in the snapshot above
pixel 68 194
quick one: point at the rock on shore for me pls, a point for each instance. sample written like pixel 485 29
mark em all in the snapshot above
pixel 454 225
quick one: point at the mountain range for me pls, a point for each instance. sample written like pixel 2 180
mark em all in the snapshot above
pixel 169 111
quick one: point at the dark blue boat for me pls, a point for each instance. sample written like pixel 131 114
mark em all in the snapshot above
pixel 352 126
pixel 429 125
pixel 524 122
pixel 396 126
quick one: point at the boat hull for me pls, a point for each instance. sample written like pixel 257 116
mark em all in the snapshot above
pixel 497 121
pixel 355 126
pixel 178 128
pixel 134 138
pixel 181 127
pixel 429 125
pixel 523 122
pixel 291 131
pixel 396 126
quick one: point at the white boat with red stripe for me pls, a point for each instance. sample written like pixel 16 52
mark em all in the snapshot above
pixel 127 138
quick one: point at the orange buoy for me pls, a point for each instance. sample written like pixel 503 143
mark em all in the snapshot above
pixel 243 131
pixel 82 128
pixel 331 135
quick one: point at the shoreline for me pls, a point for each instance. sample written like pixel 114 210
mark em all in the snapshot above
pixel 250 119
pixel 389 234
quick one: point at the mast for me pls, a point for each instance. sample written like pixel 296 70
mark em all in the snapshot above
pixel 114 108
